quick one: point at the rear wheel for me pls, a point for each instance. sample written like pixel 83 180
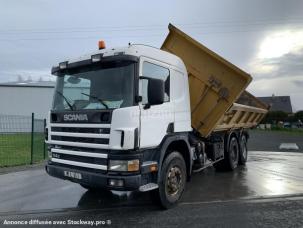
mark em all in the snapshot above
pixel 172 181
pixel 243 150
pixel 231 156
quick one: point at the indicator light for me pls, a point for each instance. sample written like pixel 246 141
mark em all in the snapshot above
pixel 101 44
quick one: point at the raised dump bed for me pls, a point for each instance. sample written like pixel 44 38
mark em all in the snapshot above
pixel 240 116
pixel 247 112
pixel 214 84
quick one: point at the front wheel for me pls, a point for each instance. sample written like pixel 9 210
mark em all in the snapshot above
pixel 172 180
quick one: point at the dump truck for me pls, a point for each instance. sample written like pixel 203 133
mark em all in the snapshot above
pixel 144 119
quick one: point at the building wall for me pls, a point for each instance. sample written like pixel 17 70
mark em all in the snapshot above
pixel 25 100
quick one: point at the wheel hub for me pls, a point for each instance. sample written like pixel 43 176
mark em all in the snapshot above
pixel 174 180
pixel 234 152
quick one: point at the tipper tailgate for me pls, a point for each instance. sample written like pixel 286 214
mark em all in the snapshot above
pixel 214 83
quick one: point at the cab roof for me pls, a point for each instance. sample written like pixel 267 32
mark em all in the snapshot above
pixel 136 50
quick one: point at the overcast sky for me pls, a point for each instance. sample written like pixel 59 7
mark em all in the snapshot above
pixel 263 37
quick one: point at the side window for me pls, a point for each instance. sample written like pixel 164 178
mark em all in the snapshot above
pixel 155 71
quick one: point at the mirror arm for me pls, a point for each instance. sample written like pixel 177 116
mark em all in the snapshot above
pixel 143 77
pixel 138 99
pixel 146 106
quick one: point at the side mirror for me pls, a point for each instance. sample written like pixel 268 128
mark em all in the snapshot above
pixel 155 91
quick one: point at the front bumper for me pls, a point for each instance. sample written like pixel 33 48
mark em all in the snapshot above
pixel 131 182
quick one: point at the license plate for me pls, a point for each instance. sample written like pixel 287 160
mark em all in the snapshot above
pixel 73 175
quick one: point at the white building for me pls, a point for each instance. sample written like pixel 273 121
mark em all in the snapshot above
pixel 24 98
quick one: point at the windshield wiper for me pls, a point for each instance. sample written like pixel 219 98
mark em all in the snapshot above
pixel 98 99
pixel 66 100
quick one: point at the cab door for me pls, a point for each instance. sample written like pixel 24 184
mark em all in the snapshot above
pixel 154 119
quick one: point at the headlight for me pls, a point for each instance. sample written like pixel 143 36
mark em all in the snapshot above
pixel 96 58
pixel 124 165
pixel 63 65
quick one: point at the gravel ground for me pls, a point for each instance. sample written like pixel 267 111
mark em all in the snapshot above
pixel 271 140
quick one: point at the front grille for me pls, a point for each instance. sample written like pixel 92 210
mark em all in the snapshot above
pixel 79 149
pixel 80 145
pixel 81 130
pixel 79 139
pixel 92 160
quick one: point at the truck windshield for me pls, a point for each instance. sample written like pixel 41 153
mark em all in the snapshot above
pixel 108 86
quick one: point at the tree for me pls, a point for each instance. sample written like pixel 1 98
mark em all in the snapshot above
pixel 299 115
pixel 275 116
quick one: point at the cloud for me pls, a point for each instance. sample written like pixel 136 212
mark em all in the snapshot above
pixel 281 43
pixel 288 65
pixel 280 55
pixel 278 67
pixel 298 83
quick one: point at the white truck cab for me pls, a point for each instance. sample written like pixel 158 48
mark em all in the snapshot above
pixel 111 112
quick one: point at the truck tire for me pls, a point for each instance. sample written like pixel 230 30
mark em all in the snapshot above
pixel 172 181
pixel 243 150
pixel 231 156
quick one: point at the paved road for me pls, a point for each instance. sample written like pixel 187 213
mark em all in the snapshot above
pixel 268 191
pixel 270 140
pixel 277 212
